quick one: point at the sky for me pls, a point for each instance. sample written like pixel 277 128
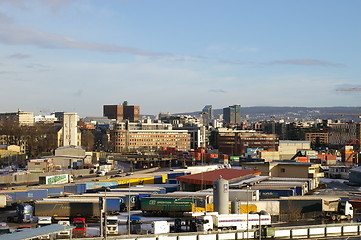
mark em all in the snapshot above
pixel 178 56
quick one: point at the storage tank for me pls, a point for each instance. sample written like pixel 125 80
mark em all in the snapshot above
pixel 221 196
pixel 235 207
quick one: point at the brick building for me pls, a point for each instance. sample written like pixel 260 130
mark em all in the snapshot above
pixel 121 112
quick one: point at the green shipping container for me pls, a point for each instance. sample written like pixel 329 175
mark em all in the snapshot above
pixel 159 204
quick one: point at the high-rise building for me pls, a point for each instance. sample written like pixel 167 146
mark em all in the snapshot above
pixel 207 114
pixel 121 112
pixel 232 114
pixel 70 129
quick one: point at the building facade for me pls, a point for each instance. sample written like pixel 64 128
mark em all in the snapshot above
pixel 149 140
pixel 236 142
pixel 121 112
pixel 20 117
pixel 207 114
pixel 232 114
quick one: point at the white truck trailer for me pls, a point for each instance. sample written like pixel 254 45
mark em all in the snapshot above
pixel 56 179
pixel 212 222
pixel 333 208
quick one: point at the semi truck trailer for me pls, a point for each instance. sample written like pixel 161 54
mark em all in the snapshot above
pixel 215 221
pixel 56 179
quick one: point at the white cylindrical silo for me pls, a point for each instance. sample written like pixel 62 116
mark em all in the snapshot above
pixel 221 196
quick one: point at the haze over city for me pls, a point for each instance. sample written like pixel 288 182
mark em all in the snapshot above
pixel 177 56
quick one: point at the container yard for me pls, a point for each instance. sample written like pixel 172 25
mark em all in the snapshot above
pixel 149 202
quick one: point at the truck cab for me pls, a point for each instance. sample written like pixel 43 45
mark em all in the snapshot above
pixel 80 227
pixel 64 233
pixel 112 225
pixel 44 221
pixel 204 223
pixel 24 213
pixel 135 225
pixel 159 227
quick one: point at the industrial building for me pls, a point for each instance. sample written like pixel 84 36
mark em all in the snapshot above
pixel 205 180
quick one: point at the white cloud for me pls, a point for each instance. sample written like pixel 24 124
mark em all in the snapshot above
pixel 303 62
pixel 20 35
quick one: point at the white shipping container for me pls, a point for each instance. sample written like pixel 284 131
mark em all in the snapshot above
pixel 159 227
pixel 271 207
pixel 2 201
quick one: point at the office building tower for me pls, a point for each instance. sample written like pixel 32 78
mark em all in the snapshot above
pixel 207 114
pixel 121 112
pixel 232 114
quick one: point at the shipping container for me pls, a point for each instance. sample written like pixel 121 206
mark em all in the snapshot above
pixel 99 185
pixel 2 201
pixel 168 187
pixel 275 193
pixel 75 188
pixel 143 189
pixel 15 196
pixel 37 194
pixel 53 190
pixel 271 207
pixel 67 209
pixel 171 206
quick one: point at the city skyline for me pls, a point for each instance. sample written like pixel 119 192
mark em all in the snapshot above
pixel 178 56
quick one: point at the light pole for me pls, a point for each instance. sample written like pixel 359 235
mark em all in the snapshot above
pixel 247 185
pixel 259 226
pixel 129 207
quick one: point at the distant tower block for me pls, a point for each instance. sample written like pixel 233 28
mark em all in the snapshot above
pixel 221 196
pixel 70 129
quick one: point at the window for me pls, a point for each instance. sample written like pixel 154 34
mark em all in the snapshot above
pixel 283 170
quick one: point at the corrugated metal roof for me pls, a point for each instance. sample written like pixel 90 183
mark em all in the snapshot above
pixel 34 232
pixel 207 178
pixel 251 181
pixel 358 169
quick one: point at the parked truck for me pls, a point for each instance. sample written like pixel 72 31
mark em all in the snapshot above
pixel 56 179
pixel 24 213
pixel 80 227
pixel 44 221
pixel 215 221
pixel 171 206
pixel 66 233
pixel 112 227
pixel 339 210
pixel 333 208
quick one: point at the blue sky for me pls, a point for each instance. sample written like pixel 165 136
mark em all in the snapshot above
pixel 178 56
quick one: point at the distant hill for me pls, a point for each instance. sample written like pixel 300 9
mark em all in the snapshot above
pixel 292 113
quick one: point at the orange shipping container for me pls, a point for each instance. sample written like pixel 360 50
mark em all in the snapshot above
pixel 302 159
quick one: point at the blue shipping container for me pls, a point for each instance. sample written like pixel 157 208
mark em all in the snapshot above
pixel 112 204
pixel 81 187
pixel 37 194
pixel 100 185
pixel 54 191
pixel 275 193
